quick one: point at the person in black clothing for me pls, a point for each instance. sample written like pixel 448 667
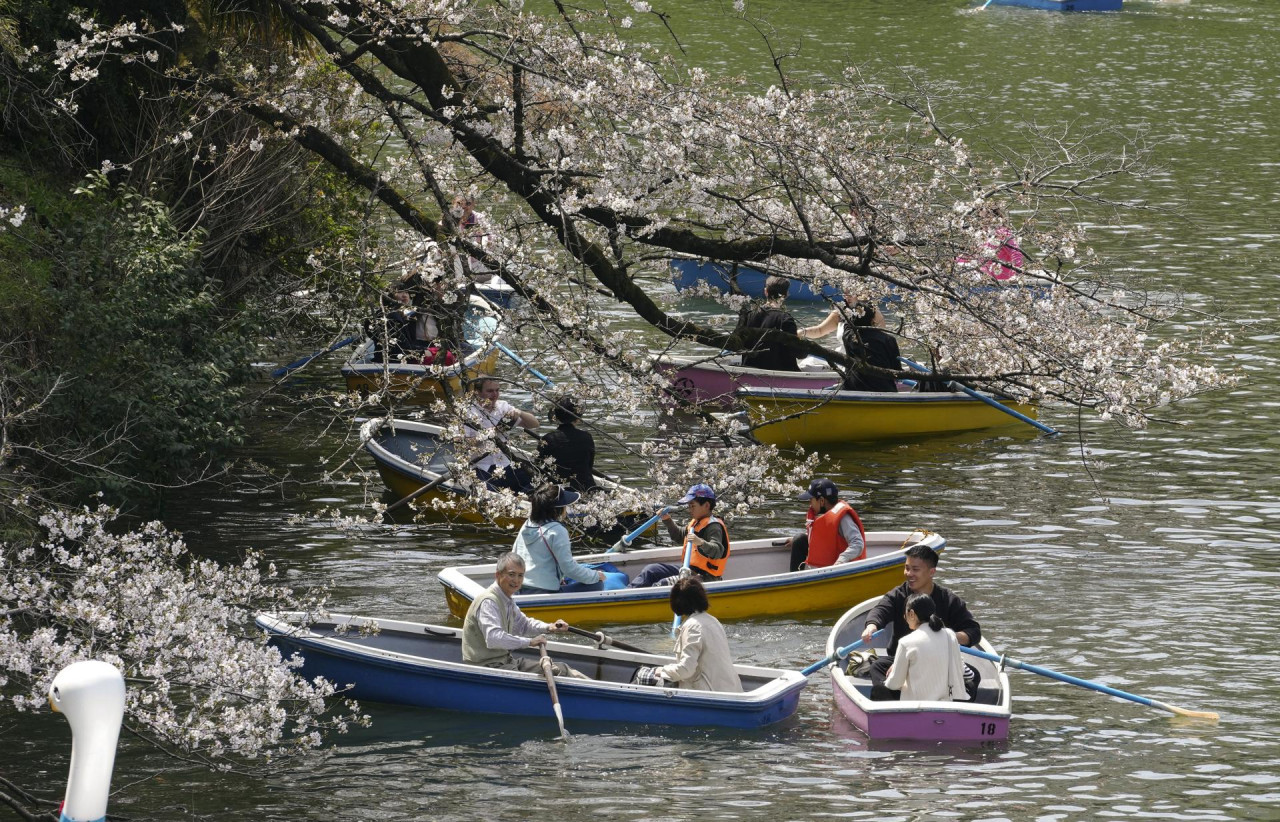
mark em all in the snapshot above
pixel 865 340
pixel 769 316
pixel 570 451
pixel 919 569
pixel 393 333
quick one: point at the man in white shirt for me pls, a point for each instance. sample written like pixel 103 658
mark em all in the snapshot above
pixel 489 413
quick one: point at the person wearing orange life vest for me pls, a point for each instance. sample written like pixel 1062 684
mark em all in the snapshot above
pixel 833 532
pixel 707 532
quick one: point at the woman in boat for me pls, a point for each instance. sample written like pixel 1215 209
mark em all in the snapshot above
pixel 703 662
pixel 927 664
pixel 864 340
pixel 569 451
pixel 543 544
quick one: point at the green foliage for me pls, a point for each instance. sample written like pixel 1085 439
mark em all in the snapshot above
pixel 150 368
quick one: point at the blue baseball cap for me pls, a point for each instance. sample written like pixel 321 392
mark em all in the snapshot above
pixel 699 491
pixel 824 488
pixel 567 497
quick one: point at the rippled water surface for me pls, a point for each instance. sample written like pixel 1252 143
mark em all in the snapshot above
pixel 1147 560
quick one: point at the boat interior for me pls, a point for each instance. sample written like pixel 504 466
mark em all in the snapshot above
pixel 446 646
pixel 988 684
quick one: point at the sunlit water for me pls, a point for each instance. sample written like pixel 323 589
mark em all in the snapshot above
pixel 1146 560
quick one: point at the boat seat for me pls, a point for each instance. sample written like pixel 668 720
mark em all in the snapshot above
pixel 988 693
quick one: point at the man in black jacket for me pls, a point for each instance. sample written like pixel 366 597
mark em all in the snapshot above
pixel 919 569
pixel 769 316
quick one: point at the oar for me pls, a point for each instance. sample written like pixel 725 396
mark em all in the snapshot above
pixel 523 363
pixel 623 544
pixel 551 686
pixel 604 640
pixel 424 489
pixel 1093 686
pixel 840 653
pixel 285 370
pixel 684 568
pixel 977 396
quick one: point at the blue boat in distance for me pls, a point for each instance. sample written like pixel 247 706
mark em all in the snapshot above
pixel 1062 5
pixel 687 273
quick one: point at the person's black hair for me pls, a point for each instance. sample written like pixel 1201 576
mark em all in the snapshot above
pixel 775 287
pixel 925 553
pixel 565 411
pixel 926 610
pixel 864 313
pixel 542 504
pixel 478 383
pixel 688 597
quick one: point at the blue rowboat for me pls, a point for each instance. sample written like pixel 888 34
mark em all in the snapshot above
pixel 1063 5
pixel 408 663
pixel 687 273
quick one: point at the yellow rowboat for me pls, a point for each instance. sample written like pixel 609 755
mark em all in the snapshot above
pixel 825 417
pixel 412 454
pixel 366 373
pixel 756 584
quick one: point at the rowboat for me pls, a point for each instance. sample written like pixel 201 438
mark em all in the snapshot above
pixel 408 663
pixel 688 273
pixel 411 454
pixel 1063 5
pixel 421 384
pixel 713 380
pixel 985 719
pixel 818 417
pixel 756 584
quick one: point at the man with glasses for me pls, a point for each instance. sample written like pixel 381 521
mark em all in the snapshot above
pixel 495 626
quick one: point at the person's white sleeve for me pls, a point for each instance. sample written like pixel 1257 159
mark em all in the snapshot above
pixel 898 671
pixel 494 636
pixel 686 664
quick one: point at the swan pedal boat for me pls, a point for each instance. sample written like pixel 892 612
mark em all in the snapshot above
pixel 713 380
pixel 409 663
pixel 411 454
pixel 986 719
pixel 756 583
pixel 825 417
pixel 416 383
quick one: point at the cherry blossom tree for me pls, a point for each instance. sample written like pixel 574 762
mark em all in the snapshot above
pixel 600 153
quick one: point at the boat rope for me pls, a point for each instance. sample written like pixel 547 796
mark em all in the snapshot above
pixel 924 532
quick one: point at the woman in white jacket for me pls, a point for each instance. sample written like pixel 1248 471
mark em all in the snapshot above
pixel 703 662
pixel 927 665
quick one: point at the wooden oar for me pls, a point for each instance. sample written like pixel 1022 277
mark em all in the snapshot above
pixel 551 686
pixel 606 641
pixel 1093 686
pixel 839 653
pixel 424 489
pixel 623 544
pixel 523 363
pixel 984 398
pixel 285 370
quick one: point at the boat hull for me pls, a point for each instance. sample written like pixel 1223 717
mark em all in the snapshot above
pixel 824 418
pixel 420 665
pixel 759 584
pixel 985 720
pixel 714 381
pixel 1063 5
pixel 686 274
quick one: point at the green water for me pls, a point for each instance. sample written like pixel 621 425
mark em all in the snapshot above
pixel 1146 559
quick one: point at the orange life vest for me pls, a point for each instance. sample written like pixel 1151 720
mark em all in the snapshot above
pixel 825 542
pixel 714 567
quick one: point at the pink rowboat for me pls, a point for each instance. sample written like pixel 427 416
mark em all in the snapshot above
pixel 986 719
pixel 712 380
